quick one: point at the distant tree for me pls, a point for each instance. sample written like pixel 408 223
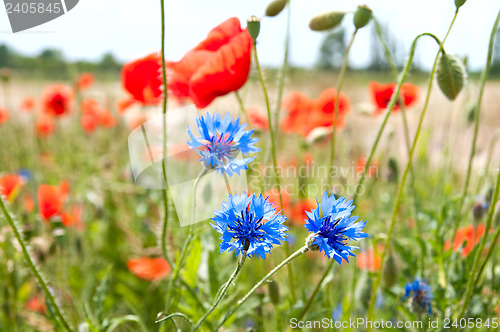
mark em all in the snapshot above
pixel 109 63
pixel 331 52
pixel 4 56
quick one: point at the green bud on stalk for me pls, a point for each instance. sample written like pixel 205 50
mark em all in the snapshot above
pixel 253 25
pixel 275 7
pixel 326 21
pixel 362 16
pixel 450 75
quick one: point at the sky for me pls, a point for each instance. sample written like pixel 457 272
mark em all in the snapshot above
pixel 131 29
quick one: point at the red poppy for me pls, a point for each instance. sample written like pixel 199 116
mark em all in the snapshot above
pixel 56 100
pixel 84 81
pixel 44 126
pixel 135 120
pixel 182 152
pixel 27 104
pixel 257 118
pixel 107 119
pixel 217 66
pixel 149 268
pixel 298 214
pixel 73 218
pixel 142 80
pixel 274 198
pixel 36 304
pixel 466 234
pixel 51 199
pixel 10 184
pixel 4 115
pixel 305 114
pixel 368 260
pixel 382 93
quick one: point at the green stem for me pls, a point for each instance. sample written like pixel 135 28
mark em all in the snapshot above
pixel 336 107
pixel 223 291
pixel 316 290
pixel 31 264
pixel 260 283
pixel 189 238
pixel 282 74
pixel 484 76
pixel 493 142
pixel 474 275
pixel 166 205
pixel 408 165
pixel 275 162
pixel 242 107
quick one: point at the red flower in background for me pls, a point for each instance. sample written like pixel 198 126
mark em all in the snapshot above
pixel 10 184
pixel 371 171
pixel 382 93
pixel 149 268
pixel 51 199
pixel 84 81
pixel 36 304
pixel 73 218
pixel 94 115
pixel 466 234
pixel 257 118
pixel 298 213
pixel 305 114
pixel 29 203
pixel 27 104
pixel 142 80
pixel 274 198
pixel 218 65
pixel 4 115
pixel 56 100
pixel 45 126
pixel 368 260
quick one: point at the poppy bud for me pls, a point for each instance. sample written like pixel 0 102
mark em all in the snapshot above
pixel 450 76
pixel 253 26
pixel 275 7
pixel 326 21
pixel 393 173
pixel 274 292
pixel 390 272
pixel 362 16
pixel 459 3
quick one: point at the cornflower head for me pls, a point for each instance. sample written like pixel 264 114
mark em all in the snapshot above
pixel 422 294
pixel 332 226
pixel 220 141
pixel 249 224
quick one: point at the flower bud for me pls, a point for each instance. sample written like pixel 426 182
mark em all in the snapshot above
pixel 274 292
pixel 310 242
pixel 393 173
pixel 326 21
pixel 253 25
pixel 459 3
pixel 362 16
pixel 450 76
pixel 275 7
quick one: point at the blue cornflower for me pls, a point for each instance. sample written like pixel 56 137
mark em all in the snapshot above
pixel 332 226
pixel 220 141
pixel 249 223
pixel 422 294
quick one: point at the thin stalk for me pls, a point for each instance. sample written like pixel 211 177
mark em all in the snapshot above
pixel 493 142
pixel 260 283
pixel 275 162
pixel 223 291
pixel 32 266
pixel 399 195
pixel 316 290
pixel 336 107
pixel 242 107
pixel 474 275
pixel 282 74
pixel 166 205
pixel 189 238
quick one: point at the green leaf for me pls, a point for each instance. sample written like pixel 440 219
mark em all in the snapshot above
pixel 450 76
pixel 192 263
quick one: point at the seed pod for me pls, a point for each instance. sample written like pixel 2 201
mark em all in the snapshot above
pixel 253 25
pixel 274 292
pixel 275 7
pixel 459 3
pixel 362 16
pixel 393 173
pixel 326 21
pixel 390 273
pixel 450 76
